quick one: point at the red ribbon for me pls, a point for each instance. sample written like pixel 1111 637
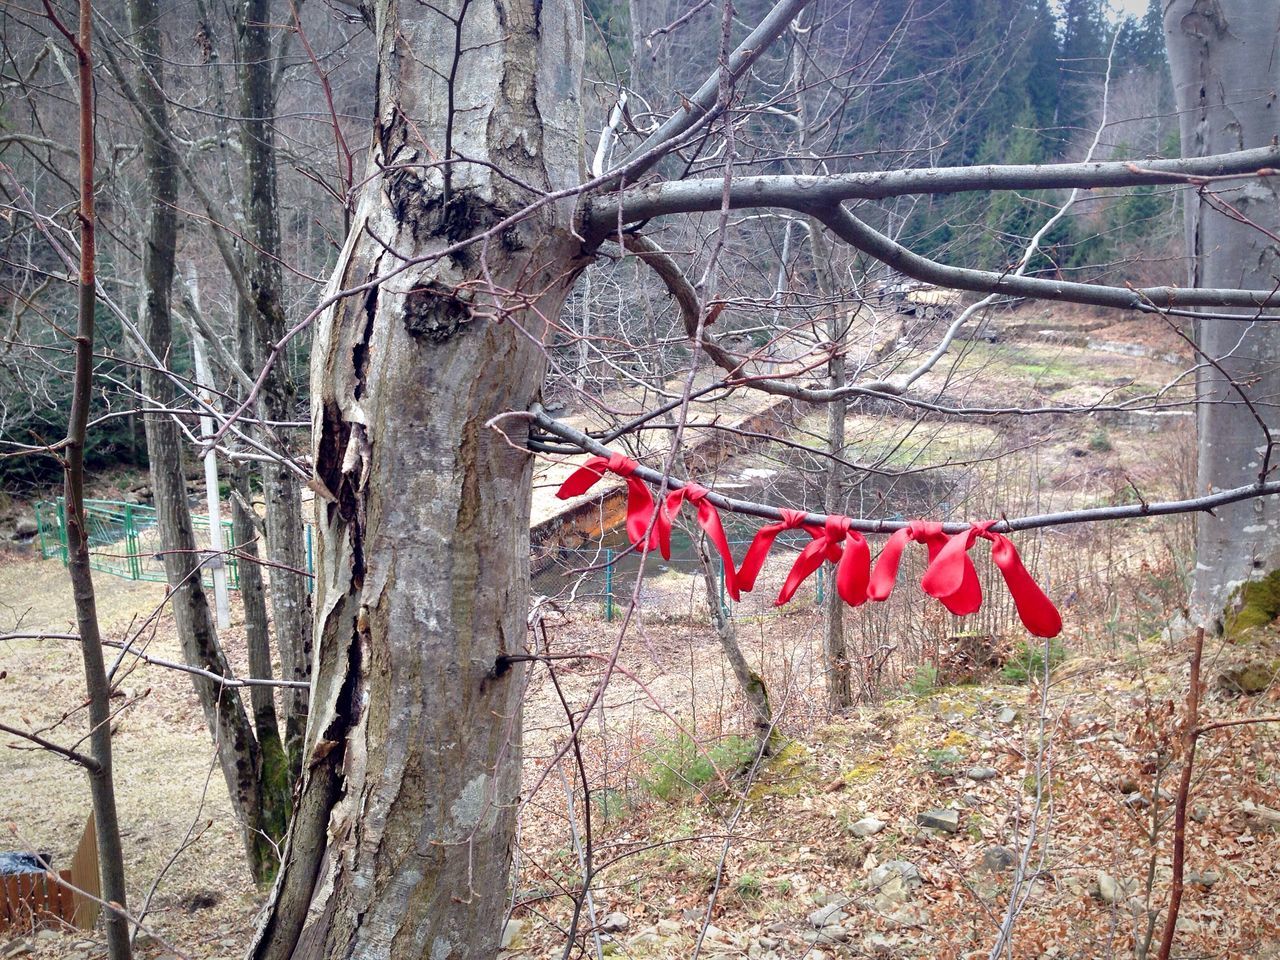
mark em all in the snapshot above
pixel 708 520
pixel 639 499
pixel 853 561
pixel 762 544
pixel 885 573
pixel 947 579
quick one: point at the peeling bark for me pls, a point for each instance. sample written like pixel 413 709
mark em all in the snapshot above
pixel 401 836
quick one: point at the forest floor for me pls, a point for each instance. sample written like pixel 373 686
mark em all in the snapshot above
pixel 817 850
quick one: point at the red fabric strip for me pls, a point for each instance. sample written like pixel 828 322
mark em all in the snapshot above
pixel 708 520
pixel 853 561
pixel 1035 609
pixel 761 544
pixel 639 499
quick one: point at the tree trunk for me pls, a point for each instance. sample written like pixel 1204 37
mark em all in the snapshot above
pixel 400 842
pixel 277 783
pixel 751 683
pixel 1226 72
pixel 834 645
pixel 285 528
pixel 223 708
pixel 102 789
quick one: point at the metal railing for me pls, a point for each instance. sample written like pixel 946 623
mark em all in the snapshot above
pixel 124 539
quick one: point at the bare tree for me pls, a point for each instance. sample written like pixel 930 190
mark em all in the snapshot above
pixel 97 683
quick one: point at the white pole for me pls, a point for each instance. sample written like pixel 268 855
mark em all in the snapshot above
pixel 204 378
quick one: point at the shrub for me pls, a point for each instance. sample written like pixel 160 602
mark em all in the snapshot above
pixel 677 765
pixel 1027 662
pixel 923 680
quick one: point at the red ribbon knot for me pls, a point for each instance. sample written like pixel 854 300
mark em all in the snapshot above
pixel 947 579
pixel 708 520
pixel 836 543
pixel 639 499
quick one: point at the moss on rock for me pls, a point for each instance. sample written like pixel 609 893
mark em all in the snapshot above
pixel 1252 606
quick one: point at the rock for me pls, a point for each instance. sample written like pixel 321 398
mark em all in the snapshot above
pixel 828 915
pixel 648 938
pixel 511 934
pixel 893 882
pixel 1107 889
pixel 866 827
pixel 15 948
pixel 879 945
pixel 940 819
pixel 1258 811
pixel 1113 891
pixel 47 935
pixel 715 933
pixel 1137 801
pixel 998 859
pixel 1205 878
pixel 25 528
pixel 982 773
pixel 1007 716
pixel 668 928
pixel 616 922
pixel 1249 678
pixel 1199 813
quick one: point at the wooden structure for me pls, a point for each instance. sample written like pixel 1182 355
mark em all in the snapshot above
pixel 32 901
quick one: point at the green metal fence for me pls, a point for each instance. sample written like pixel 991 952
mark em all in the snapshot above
pixel 123 539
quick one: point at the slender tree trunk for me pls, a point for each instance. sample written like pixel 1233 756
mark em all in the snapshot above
pixel 834 645
pixel 223 708
pixel 97 685
pixel 400 841
pixel 749 682
pixel 283 493
pixel 1226 70
pixel 277 783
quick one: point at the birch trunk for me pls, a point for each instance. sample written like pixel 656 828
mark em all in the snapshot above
pixel 400 842
pixel 1225 56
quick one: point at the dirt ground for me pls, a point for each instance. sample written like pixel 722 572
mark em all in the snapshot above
pixel 170 796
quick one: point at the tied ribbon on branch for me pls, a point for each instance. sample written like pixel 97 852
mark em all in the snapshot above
pixel 885 574
pixel 639 499
pixel 762 543
pixel 708 520
pixel 834 542
pixel 948 579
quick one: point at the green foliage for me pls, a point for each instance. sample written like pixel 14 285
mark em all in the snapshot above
pixel 1028 660
pixel 610 803
pixel 36 399
pixel 677 765
pixel 1099 441
pixel 923 681
pixel 943 761
pixel 749 886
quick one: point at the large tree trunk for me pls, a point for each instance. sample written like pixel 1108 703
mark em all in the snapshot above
pixel 283 493
pixel 400 841
pixel 1225 57
pixel 223 708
